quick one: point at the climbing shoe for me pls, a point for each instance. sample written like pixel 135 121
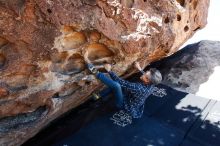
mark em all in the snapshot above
pixel 92 68
pixel 95 96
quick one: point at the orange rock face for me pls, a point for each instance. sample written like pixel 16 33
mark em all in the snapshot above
pixel 43 43
pixel 3 92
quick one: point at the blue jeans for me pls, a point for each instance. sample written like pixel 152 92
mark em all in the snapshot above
pixel 112 86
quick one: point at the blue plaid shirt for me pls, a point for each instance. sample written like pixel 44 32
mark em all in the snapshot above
pixel 135 95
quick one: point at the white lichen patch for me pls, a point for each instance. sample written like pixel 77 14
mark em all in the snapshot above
pixel 178 6
pixel 143 17
pixel 117 5
pixel 54 81
pixel 134 36
pixel 50 2
pixel 143 29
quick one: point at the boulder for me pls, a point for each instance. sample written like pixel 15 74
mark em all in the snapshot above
pixel 193 69
pixel 43 43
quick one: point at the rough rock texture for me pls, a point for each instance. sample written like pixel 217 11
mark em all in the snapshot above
pixel 42 44
pixel 192 66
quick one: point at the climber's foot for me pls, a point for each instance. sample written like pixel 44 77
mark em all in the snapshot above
pixel 92 68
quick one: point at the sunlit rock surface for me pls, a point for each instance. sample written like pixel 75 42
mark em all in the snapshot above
pixel 43 42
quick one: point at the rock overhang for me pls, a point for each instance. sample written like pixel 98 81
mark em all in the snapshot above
pixel 43 43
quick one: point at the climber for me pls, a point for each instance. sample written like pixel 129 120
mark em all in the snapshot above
pixel 129 96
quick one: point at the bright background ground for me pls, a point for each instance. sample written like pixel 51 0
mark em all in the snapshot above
pixel 210 89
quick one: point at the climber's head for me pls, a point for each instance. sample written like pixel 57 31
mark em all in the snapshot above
pixel 152 76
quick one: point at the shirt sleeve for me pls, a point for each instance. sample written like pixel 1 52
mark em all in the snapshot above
pixel 134 87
